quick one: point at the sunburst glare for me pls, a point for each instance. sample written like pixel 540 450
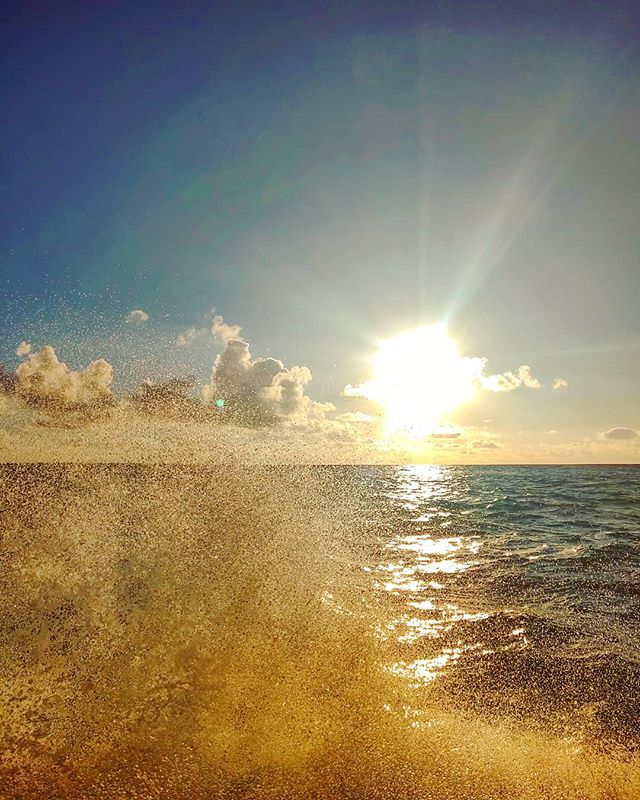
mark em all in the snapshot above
pixel 419 378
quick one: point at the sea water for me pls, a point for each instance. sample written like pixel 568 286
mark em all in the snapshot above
pixel 322 632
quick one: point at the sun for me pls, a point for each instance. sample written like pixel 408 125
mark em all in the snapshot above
pixel 420 377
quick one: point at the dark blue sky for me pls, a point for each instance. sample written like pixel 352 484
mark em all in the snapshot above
pixel 322 174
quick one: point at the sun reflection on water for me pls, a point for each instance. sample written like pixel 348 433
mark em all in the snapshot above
pixel 427 612
pixel 425 670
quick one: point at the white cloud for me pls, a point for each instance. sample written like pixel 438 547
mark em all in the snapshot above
pixel 44 381
pixel 620 434
pixel 186 337
pixel 23 349
pixel 222 330
pixel 137 315
pixel 560 383
pixel 366 389
pixel 508 381
pixel 259 391
pixel 525 375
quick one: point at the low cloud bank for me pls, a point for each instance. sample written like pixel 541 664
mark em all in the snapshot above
pixel 243 391
pixel 446 434
pixel 169 398
pixel 485 444
pixel 253 392
pixel 620 434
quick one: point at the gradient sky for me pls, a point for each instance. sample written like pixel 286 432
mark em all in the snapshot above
pixel 327 175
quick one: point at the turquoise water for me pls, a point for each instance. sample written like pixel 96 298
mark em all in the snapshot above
pixel 519 586
pixel 189 633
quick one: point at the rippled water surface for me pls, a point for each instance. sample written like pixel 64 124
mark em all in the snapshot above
pixel 348 632
pixel 519 586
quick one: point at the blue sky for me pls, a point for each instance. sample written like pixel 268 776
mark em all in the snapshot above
pixel 326 175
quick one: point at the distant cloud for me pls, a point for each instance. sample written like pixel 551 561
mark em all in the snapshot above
pixel 45 382
pixel 169 398
pixel 23 349
pixel 259 391
pixel 356 417
pixel 446 433
pixel 367 389
pixel 524 373
pixel 508 381
pixel 186 337
pixel 560 383
pixel 620 434
pixel 485 444
pixel 137 315
pixel 222 330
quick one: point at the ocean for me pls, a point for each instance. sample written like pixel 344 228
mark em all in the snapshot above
pixel 319 632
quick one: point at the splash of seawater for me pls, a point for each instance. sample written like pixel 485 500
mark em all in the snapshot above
pixel 187 632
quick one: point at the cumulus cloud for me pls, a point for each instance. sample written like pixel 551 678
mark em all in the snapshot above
pixel 485 444
pixel 188 336
pixel 218 328
pixel 366 389
pixel 223 330
pixel 527 378
pixel 137 315
pixel 23 349
pixel 45 382
pixel 508 381
pixel 620 434
pixel 560 383
pixel 260 391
